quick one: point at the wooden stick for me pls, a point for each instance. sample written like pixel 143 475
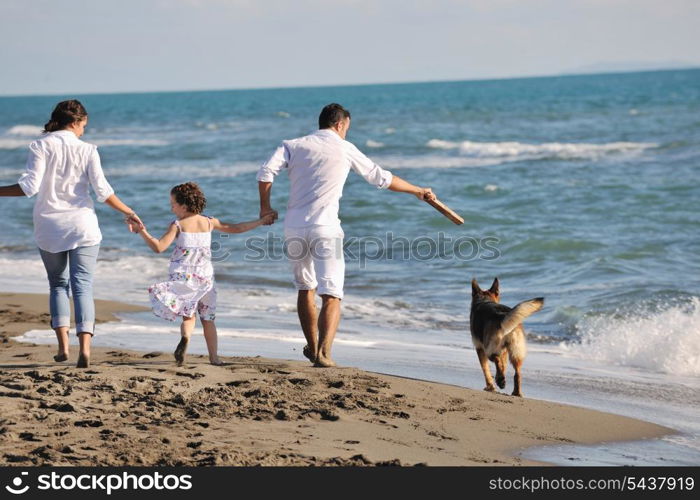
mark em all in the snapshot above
pixel 446 211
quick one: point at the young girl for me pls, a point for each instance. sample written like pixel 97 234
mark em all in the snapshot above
pixel 190 287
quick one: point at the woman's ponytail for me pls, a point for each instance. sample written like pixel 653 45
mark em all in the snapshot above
pixel 51 126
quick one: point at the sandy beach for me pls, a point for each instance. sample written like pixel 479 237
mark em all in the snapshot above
pixel 132 408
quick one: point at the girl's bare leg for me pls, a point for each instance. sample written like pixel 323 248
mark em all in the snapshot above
pixel 210 336
pixel 186 329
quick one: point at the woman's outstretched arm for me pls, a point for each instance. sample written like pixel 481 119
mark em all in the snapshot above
pixel 13 190
pixel 118 205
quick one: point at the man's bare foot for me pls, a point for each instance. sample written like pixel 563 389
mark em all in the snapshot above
pixel 307 352
pixel 61 357
pixel 180 351
pixel 83 361
pixel 216 362
pixel 323 362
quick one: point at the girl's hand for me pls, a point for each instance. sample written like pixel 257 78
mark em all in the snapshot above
pixel 135 227
pixel 268 219
pixel 135 218
pixel 134 222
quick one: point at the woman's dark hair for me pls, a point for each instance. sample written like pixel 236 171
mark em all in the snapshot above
pixel 65 113
pixel 332 114
pixel 190 196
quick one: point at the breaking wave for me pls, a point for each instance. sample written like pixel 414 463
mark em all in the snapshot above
pixel 662 339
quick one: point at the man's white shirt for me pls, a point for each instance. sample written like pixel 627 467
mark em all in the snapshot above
pixel 318 165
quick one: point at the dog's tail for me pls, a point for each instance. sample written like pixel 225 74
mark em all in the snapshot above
pixel 518 314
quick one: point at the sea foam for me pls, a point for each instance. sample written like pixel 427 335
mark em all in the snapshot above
pixel 25 130
pixel 180 170
pixel 14 143
pixel 128 142
pixel 522 151
pixel 19 136
pixel 662 339
pixel 434 161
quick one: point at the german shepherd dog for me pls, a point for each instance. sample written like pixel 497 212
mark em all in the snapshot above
pixel 496 330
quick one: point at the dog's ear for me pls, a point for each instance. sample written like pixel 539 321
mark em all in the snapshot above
pixel 495 287
pixel 475 287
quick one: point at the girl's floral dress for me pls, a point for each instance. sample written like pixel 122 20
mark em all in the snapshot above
pixel 190 286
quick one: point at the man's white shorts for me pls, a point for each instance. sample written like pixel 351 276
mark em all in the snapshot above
pixel 316 256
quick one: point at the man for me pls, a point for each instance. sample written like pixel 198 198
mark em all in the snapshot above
pixel 318 165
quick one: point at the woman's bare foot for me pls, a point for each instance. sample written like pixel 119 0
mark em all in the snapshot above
pixel 307 352
pixel 63 356
pixel 83 361
pixel 180 351
pixel 323 362
pixel 216 362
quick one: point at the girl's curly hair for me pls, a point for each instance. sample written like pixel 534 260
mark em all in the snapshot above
pixel 190 196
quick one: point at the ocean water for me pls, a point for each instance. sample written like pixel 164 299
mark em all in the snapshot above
pixel 581 189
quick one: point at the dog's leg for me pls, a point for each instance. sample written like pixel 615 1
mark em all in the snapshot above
pixel 516 353
pixel 483 360
pixel 501 364
pixel 517 364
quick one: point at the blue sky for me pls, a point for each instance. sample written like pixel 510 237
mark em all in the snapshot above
pixel 84 46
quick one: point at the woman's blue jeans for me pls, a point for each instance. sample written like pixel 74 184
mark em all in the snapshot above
pixel 71 270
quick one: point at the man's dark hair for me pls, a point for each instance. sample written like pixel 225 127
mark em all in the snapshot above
pixel 331 114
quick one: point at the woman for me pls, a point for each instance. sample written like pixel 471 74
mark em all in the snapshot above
pixel 60 167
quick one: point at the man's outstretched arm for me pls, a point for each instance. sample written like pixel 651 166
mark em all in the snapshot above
pixel 379 177
pixel 401 186
pixel 264 189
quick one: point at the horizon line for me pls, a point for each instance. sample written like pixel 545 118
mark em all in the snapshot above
pixel 413 82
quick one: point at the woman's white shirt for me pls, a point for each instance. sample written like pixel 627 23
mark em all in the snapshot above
pixel 60 169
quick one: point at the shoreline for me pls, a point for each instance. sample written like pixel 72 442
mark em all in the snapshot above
pixel 131 408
